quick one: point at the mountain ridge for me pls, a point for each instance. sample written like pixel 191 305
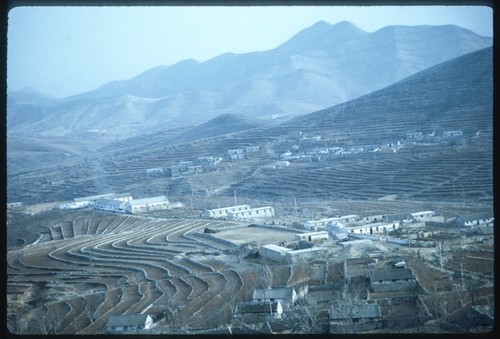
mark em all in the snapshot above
pixel 284 81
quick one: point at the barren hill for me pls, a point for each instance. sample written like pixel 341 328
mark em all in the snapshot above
pixel 319 67
pixel 380 159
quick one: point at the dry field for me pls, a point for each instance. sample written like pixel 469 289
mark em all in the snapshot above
pixel 100 264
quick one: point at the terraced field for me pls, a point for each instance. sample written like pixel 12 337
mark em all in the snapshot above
pixel 99 264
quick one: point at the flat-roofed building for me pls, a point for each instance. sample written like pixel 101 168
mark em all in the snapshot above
pixel 147 204
pixel 392 279
pixel 221 213
pixel 312 236
pixel 305 255
pixel 287 296
pixel 252 213
pixel 273 252
pixel 110 205
pixel 422 215
pixel 129 322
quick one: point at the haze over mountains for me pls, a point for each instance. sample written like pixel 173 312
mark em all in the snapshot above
pixel 319 67
pixel 454 95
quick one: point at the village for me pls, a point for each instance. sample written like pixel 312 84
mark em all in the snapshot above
pixel 286 268
pixel 368 252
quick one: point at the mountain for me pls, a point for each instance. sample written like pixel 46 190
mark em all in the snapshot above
pixel 319 67
pixel 454 95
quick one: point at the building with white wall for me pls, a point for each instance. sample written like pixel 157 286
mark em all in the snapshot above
pixel 323 223
pixel 422 215
pixel 288 256
pixel 221 213
pixel 147 204
pixel 110 205
pixel 252 213
pixel 312 236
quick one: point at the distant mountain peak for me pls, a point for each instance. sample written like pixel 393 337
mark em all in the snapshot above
pixel 323 34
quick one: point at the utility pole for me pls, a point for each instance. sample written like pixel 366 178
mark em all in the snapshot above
pixel 234 193
pixel 463 280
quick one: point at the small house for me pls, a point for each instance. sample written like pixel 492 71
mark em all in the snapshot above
pixel 422 215
pixel 473 219
pixel 355 317
pixel 287 296
pixel 219 213
pixel 235 151
pixel 237 156
pixel 110 205
pixel 392 279
pixel 252 149
pixel 259 308
pixel 252 213
pixel 312 236
pixel 273 252
pixel 130 322
pixel 414 135
pixel 449 134
pixel 395 218
pixel 147 204
pixel 305 255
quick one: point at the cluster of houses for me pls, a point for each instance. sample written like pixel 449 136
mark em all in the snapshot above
pixel 122 203
pixel 239 212
pixel 276 304
pixel 446 134
pixel 187 168
pixel 201 164
pixel 308 150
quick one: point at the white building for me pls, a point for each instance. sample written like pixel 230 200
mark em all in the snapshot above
pixel 252 149
pixel 252 213
pixel 219 213
pixel 374 228
pixel 288 256
pixel 235 151
pixel 423 215
pixel 154 170
pixel 147 204
pixel 237 156
pixel 110 205
pixel 274 252
pixel 305 255
pixel 449 134
pixel 312 236
pixel 209 160
pixel 323 223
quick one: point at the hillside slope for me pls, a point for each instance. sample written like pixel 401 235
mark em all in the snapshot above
pixel 319 67
pixel 456 95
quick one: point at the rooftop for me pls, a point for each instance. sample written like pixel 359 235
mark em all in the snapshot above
pixel 127 320
pixel 390 274
pixel 146 201
pixel 273 293
pixel 354 311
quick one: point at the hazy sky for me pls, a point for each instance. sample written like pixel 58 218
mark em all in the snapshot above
pixel 68 50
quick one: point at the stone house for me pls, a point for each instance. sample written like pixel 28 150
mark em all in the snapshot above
pixel 312 236
pixel 259 309
pixel 354 317
pixel 130 322
pixel 392 279
pixel 287 296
